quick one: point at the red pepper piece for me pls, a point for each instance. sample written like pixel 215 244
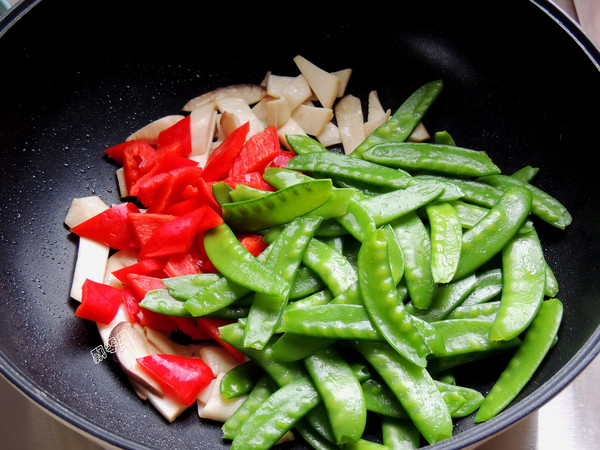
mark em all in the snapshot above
pixel 257 152
pixel 204 263
pixel 252 242
pixel 145 224
pixel 252 179
pixel 142 284
pixel 179 132
pixel 171 191
pixel 116 152
pixel 150 267
pixel 189 326
pixel 212 327
pixel 147 190
pixel 111 227
pixel 183 264
pixel 99 302
pixel 133 155
pixel 131 302
pixel 156 321
pixel 178 235
pixel 281 159
pixel 220 159
pixel 180 377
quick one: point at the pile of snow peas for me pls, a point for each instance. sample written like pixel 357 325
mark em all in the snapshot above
pixel 385 269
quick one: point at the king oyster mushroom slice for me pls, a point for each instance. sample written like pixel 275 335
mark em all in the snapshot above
pixel 251 93
pixel 131 345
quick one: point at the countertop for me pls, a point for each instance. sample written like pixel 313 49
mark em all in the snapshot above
pixel 550 427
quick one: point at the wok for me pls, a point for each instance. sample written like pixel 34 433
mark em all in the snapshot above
pixel 522 83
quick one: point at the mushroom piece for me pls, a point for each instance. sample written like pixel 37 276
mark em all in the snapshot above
pixel 129 345
pixel 250 93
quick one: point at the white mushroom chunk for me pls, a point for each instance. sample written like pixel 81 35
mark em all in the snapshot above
pixel 92 258
pixel 324 84
pixel 242 112
pixel 218 359
pixel 131 345
pixel 344 77
pixel 290 127
pixel 260 110
pixel 119 260
pixel 350 119
pixel 217 407
pixel 249 93
pixel 84 208
pixel 168 407
pixel 376 115
pixel 163 342
pixel 202 131
pixel 149 133
pixel 278 112
pixel 312 119
pixel 330 135
pixel 419 134
pixel 121 183
pixel 276 85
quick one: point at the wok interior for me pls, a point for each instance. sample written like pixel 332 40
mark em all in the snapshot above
pixel 80 76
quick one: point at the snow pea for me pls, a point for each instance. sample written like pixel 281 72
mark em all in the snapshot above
pixel 469 213
pixel 538 340
pixel 495 230
pixel 543 205
pixel 399 434
pixel 404 120
pixel 185 286
pixel 160 301
pixel 277 415
pixel 277 208
pixel 524 279
pixel 284 260
pixel 413 386
pixel 218 295
pixel 301 144
pixel 443 137
pixel 292 347
pixel 380 399
pixel 237 264
pixel 395 256
pixel 242 192
pixel 305 283
pixel 474 191
pixel 526 173
pixel 385 208
pixel 221 192
pixel 480 311
pixel 457 336
pixel 318 298
pixel 261 391
pixel 470 399
pixel 445 299
pixel 488 285
pixel 551 289
pixel 341 394
pixel 343 167
pixel 437 158
pixel 240 380
pixel 381 300
pixel 415 243
pixel 449 190
pixel 446 238
pixel 364 444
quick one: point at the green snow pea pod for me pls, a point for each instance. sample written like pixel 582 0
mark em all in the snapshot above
pixel 292 347
pixel 240 380
pixel 446 240
pixel 543 205
pixel 242 192
pixel 445 299
pixel 318 298
pixel 415 243
pixel 459 336
pixel 551 282
pixel 185 286
pixel 524 278
pixel 237 264
pixel 331 266
pixel 385 208
pixel 438 158
pixel 474 191
pixel 221 192
pixel 302 144
pixel 495 230
pixel 437 365
pixel 160 301
pixel 315 439
pixel 470 399
pixel 404 120
pixel 218 295
pixel 380 399
pixel 400 434
pixel 281 178
pixel 414 388
pixel 341 394
pixel 469 213
pixel 346 168
pixel 364 444
pixel 538 340
pixel 450 191
pixel 261 391
pixel 395 255
pixel 277 208
pixel 480 311
pixel 284 260
pixel 444 138
pixel 277 415
pixel 526 173
pixel 488 285
pixel 381 300
pixel 305 283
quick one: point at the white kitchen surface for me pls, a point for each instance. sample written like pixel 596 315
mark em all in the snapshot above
pixel 567 422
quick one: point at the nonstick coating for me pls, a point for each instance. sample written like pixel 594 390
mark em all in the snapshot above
pixel 522 83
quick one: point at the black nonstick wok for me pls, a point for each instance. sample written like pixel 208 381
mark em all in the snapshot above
pixel 521 82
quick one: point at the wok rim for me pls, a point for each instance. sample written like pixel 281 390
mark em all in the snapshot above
pixel 477 435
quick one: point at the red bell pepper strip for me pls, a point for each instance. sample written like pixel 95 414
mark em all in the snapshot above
pixel 180 377
pixel 99 302
pixel 189 326
pixel 183 264
pixel 142 284
pixel 156 321
pixel 212 328
pixel 220 159
pixel 131 302
pixel 155 159
pixel 149 267
pixel 172 189
pixel 179 132
pixel 111 227
pixel 116 152
pixel 177 236
pixel 257 152
pixel 252 179
pixel 281 159
pixel 145 224
pixel 133 155
pixel 253 242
